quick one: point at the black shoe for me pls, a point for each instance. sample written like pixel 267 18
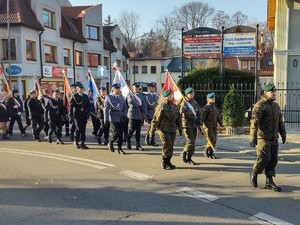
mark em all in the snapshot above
pixel 76 145
pixel 253 179
pixel 153 141
pixel 184 157
pixel 212 156
pixel 271 185
pixel 169 164
pixel 121 152
pixel 59 141
pixel 37 140
pixel 128 144
pixel 99 140
pixel 138 146
pixel 83 146
pixel 49 139
pixel 106 142
pixel 190 161
pixel 163 163
pixel 111 147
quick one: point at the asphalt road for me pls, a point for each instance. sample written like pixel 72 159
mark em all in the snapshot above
pixel 42 183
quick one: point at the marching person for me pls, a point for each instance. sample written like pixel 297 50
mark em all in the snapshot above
pixel 166 119
pixel 65 116
pixel 95 119
pixel 210 120
pixel 71 119
pixel 115 111
pixel 3 120
pixel 136 110
pixel 15 109
pixel 54 112
pixel 36 115
pixel 191 119
pixel 104 127
pixel 151 102
pixel 266 123
pixel 44 99
pixel 26 111
pixel 80 113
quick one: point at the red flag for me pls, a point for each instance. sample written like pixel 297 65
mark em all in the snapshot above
pixel 171 85
pixel 67 92
pixel 4 81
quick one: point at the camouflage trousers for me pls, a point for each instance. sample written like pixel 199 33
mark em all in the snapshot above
pixel 190 136
pixel 212 135
pixel 167 139
pixel 267 157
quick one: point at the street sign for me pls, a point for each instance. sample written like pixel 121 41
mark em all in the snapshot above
pixel 239 44
pixel 102 71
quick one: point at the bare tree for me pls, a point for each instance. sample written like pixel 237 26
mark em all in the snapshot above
pixel 239 18
pixel 193 14
pixel 220 19
pixel 129 23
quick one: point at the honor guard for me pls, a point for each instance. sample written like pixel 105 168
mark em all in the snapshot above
pixel 136 111
pixel 166 119
pixel 151 102
pixel 36 115
pixel 104 126
pixel 44 101
pixel 65 116
pixel 191 119
pixel 210 119
pixel 71 119
pixel 266 125
pixel 15 109
pixel 115 111
pixel 80 112
pixel 54 112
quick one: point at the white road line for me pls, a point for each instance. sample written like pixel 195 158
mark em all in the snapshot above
pixel 263 218
pixel 135 175
pixel 59 155
pixel 198 194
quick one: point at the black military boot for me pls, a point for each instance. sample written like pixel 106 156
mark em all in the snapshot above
pixel 111 146
pixel 253 179
pixel 190 161
pixel 106 141
pixel 76 144
pixel 163 163
pixel 83 146
pixel 169 164
pixel 138 146
pixel 99 141
pixel 120 150
pixel 212 155
pixel 50 138
pixel 5 137
pixel 128 144
pixel 153 141
pixel 271 185
pixel 147 140
pixel 59 141
pixel 184 157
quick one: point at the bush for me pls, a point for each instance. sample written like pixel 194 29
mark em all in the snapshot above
pixel 233 109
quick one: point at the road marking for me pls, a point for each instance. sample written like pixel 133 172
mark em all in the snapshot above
pixel 135 175
pixel 198 194
pixel 80 161
pixel 263 218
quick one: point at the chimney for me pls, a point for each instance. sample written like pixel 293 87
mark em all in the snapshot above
pixel 163 53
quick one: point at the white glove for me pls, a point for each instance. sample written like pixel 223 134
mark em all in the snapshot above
pixel 19 113
pixel 15 107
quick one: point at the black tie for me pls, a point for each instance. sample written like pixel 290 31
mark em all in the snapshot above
pixel 118 97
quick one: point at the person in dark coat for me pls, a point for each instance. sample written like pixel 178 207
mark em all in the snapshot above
pixel 71 119
pixel 3 120
pixel 44 101
pixel 26 111
pixel 36 115
pixel 54 112
pixel 15 109
pixel 80 112
pixel 104 127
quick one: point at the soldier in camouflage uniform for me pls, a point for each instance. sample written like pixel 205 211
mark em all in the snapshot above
pixel 191 118
pixel 166 120
pixel 211 118
pixel 266 123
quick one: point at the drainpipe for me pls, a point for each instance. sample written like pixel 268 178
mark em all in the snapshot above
pixel 74 75
pixel 41 56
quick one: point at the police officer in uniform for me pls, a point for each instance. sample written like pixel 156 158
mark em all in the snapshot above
pixel 136 110
pixel 104 126
pixel 266 123
pixel 71 119
pixel 210 119
pixel 36 115
pixel 151 101
pixel 115 111
pixel 54 112
pixel 191 119
pixel 80 112
pixel 44 101
pixel 65 116
pixel 166 119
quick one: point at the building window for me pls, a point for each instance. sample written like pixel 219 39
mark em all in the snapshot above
pixel 30 50
pixel 252 65
pixel 118 43
pixel 124 65
pixel 270 63
pixel 67 56
pixel 13 54
pixel 244 64
pixel 48 19
pixel 119 62
pixel 144 69
pixel 162 69
pixel 153 69
pixel 135 69
pixel 50 54
pixel 93 59
pixel 78 58
pixel 106 62
pixel 92 32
